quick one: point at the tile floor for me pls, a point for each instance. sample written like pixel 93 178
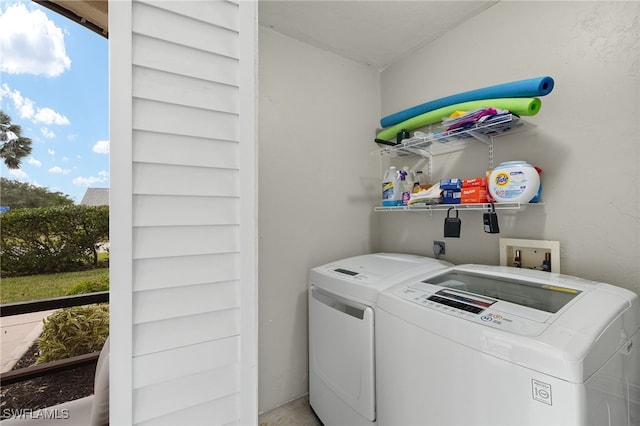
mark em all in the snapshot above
pixel 295 413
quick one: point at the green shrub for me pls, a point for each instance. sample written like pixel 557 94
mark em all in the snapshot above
pixel 52 239
pixel 90 286
pixel 73 331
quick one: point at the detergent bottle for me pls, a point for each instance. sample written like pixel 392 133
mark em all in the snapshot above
pixel 390 193
pixel 514 181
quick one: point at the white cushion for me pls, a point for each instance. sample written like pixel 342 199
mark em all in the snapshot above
pixel 100 409
pixel 92 410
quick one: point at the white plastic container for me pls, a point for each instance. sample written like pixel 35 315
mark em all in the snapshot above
pixel 410 176
pixel 390 193
pixel 514 181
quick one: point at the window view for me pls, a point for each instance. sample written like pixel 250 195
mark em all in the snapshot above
pixel 54 207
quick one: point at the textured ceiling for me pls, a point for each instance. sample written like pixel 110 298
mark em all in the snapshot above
pixel 374 33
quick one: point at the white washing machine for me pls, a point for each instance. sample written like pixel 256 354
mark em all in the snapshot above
pixel 342 297
pixel 490 345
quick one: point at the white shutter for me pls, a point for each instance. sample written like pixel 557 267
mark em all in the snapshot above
pixel 183 212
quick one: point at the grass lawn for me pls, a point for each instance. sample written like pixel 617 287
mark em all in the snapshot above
pixel 32 287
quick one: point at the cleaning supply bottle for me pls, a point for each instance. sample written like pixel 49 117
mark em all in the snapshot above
pixel 422 180
pixel 410 176
pixel 404 188
pixel 389 187
pixel 514 181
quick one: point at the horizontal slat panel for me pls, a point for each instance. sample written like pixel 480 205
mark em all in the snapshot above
pixel 221 13
pixel 151 274
pixel 184 241
pixel 161 179
pixel 167 210
pixel 159 23
pixel 175 363
pixel 161 399
pixel 165 148
pixel 180 90
pixel 153 53
pixel 223 411
pixel 181 120
pixel 154 305
pixel 159 336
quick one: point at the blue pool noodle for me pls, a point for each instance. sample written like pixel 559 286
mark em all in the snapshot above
pixel 531 87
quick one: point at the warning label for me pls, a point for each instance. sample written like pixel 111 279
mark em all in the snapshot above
pixel 541 391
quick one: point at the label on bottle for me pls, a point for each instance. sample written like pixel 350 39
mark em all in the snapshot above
pixel 405 198
pixel 387 191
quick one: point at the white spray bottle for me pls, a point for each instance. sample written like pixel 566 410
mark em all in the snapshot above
pixel 404 188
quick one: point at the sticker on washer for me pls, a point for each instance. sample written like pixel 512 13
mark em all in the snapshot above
pixel 541 391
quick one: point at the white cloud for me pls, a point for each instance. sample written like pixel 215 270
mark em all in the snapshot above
pixel 32 161
pixel 102 177
pixel 101 147
pixel 30 111
pixel 51 151
pixel 59 170
pixel 49 116
pixel 18 174
pixel 31 43
pixel 22 104
pixel 47 133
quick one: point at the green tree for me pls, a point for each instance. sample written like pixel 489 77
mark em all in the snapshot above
pixel 20 195
pixel 14 147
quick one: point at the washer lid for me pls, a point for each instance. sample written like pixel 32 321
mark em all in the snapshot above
pixel 569 338
pixel 479 289
pixel 366 275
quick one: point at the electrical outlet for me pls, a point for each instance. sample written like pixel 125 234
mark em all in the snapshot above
pixel 438 248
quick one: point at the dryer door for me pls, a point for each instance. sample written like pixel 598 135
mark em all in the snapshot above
pixel 341 349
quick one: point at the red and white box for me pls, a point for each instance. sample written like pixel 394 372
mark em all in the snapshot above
pixel 474 182
pixel 473 195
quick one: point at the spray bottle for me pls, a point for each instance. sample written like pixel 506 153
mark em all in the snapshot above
pixel 404 188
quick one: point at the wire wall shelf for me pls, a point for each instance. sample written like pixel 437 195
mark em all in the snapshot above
pixel 459 207
pixel 438 141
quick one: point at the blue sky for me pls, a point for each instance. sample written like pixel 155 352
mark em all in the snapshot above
pixel 54 84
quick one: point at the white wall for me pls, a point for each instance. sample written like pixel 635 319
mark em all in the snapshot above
pixel 318 183
pixel 586 139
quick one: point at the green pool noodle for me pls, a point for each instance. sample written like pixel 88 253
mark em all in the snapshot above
pixel 518 106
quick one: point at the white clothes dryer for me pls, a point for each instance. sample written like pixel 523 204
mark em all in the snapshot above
pixel 490 345
pixel 342 298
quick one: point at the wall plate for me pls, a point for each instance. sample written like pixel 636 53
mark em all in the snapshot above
pixel 532 253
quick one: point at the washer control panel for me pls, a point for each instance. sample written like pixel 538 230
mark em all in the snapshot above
pixel 441 302
pixel 471 308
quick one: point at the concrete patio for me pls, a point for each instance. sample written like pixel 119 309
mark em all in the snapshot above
pixel 18 333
